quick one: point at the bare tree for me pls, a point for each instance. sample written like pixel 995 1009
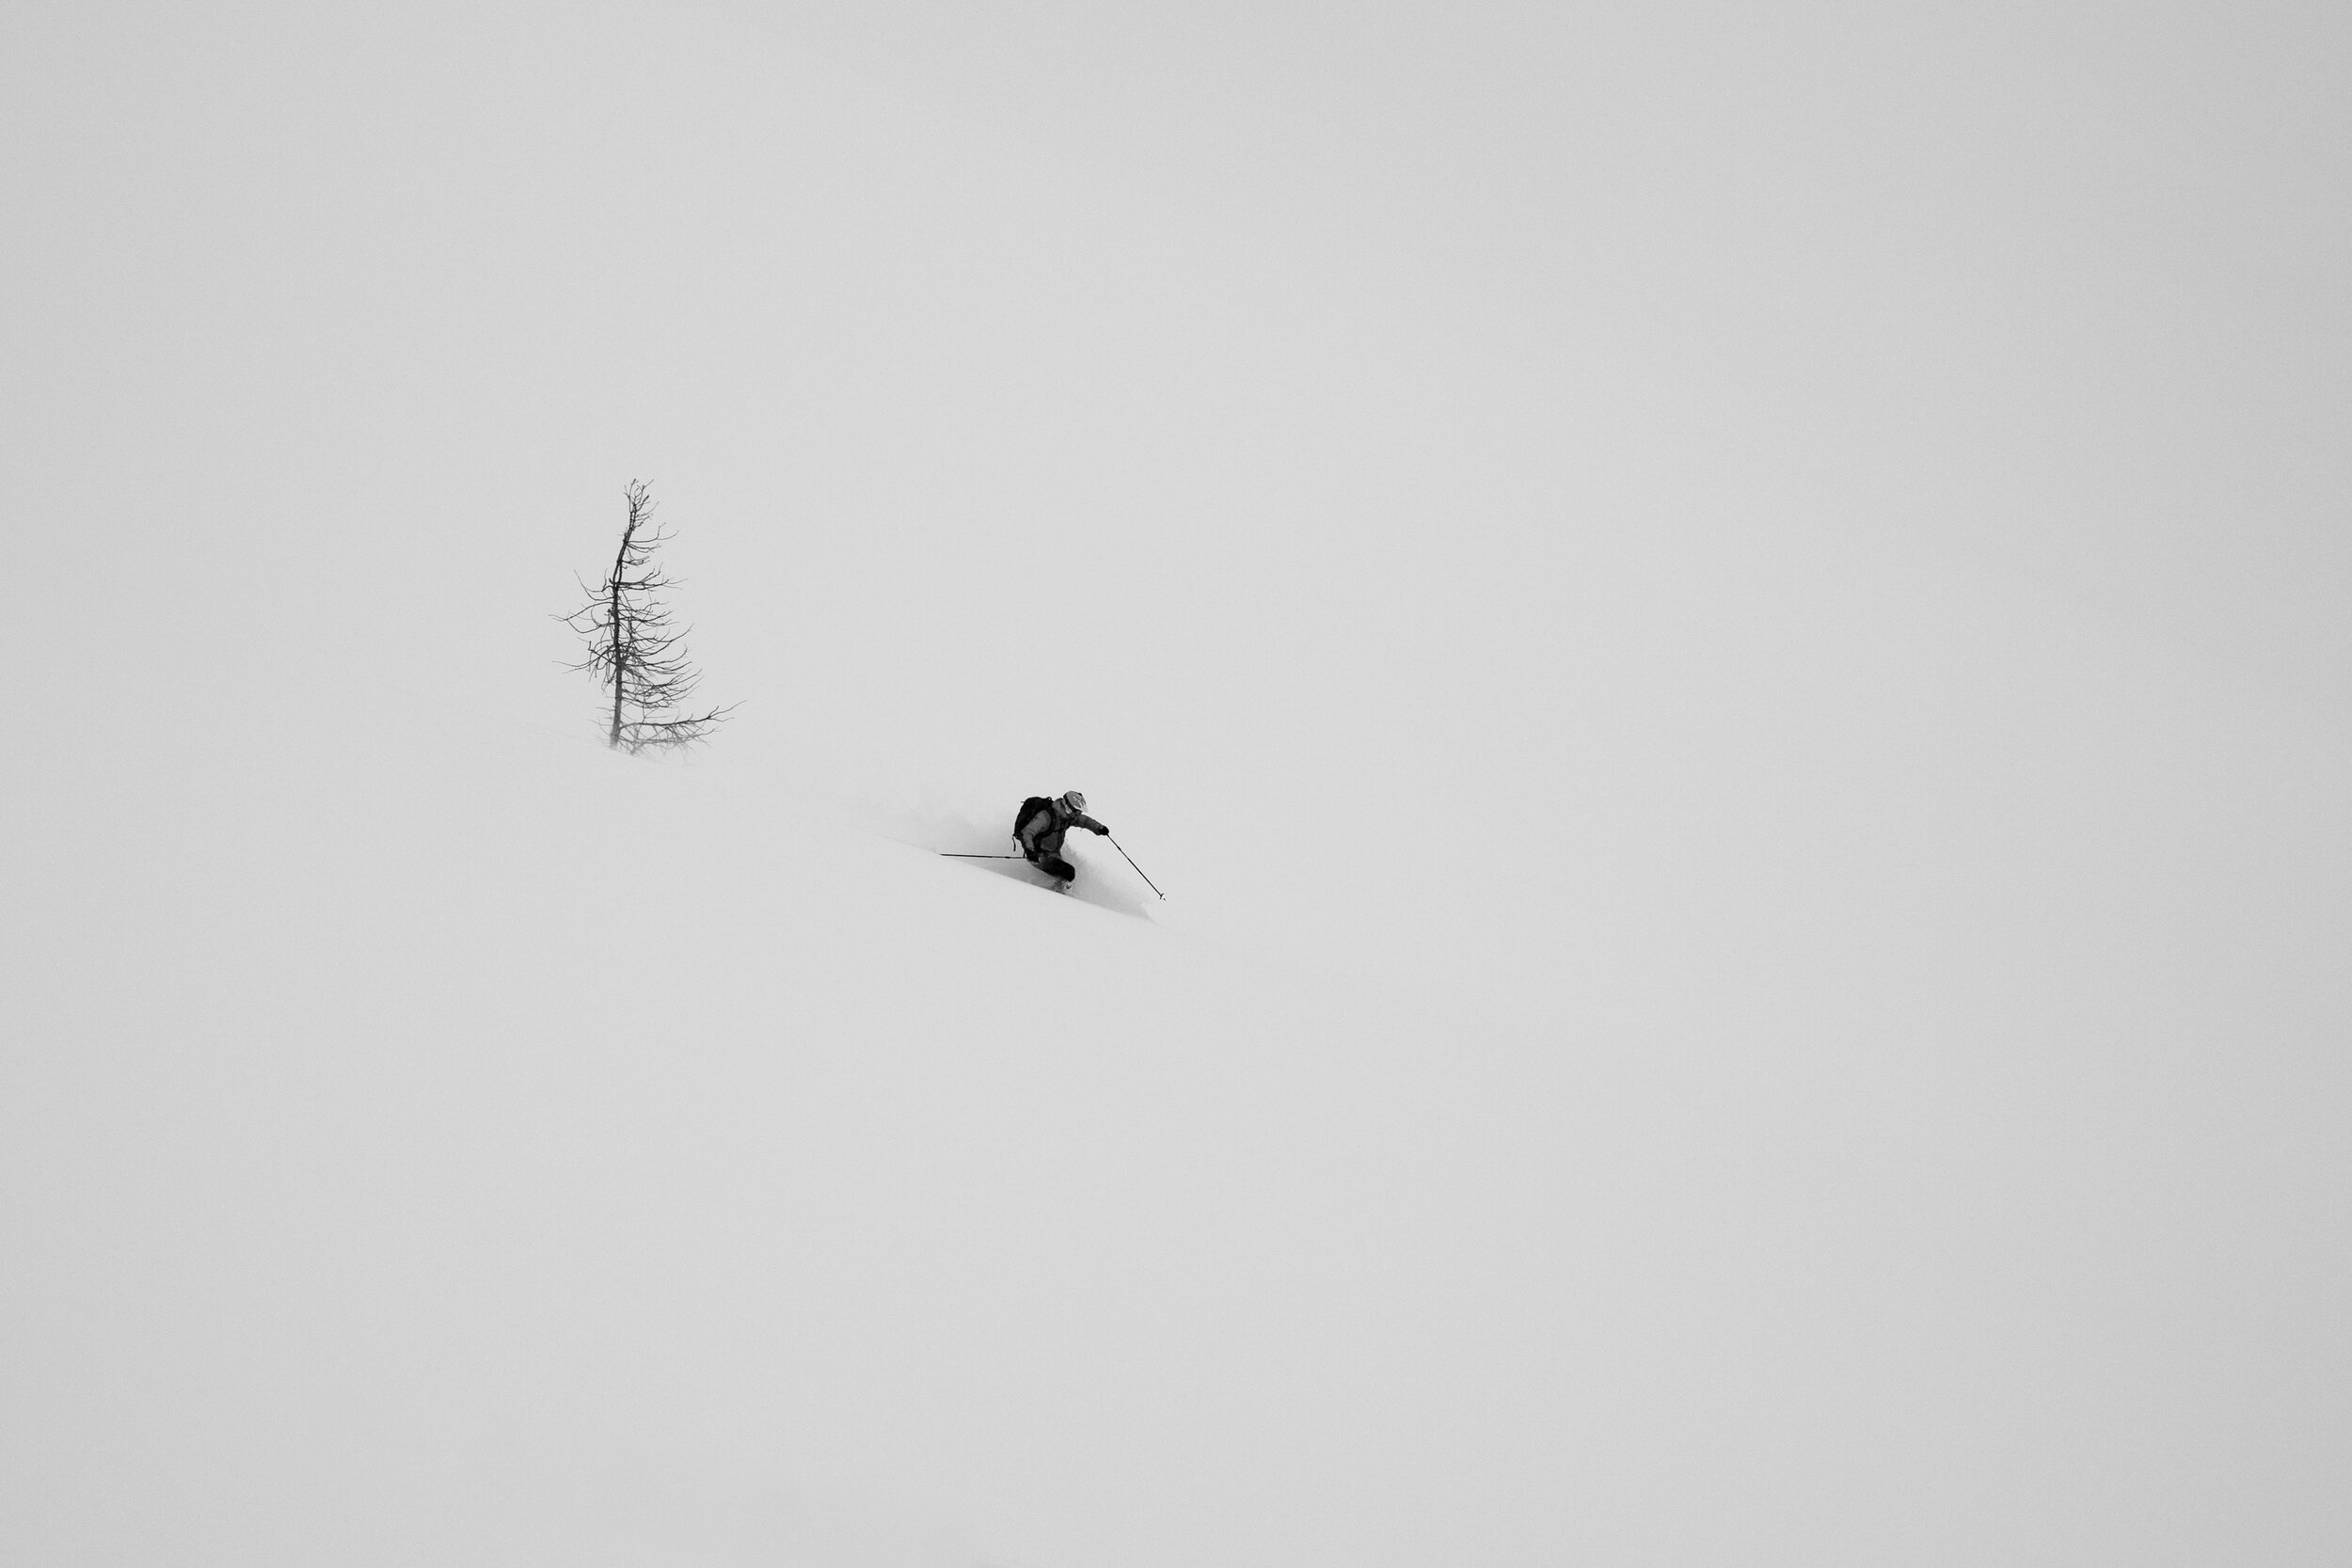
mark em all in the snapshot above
pixel 634 647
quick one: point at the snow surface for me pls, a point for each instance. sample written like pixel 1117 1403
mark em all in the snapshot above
pixel 1747 748
pixel 443 1141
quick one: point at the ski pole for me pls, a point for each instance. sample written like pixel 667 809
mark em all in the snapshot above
pixel 1131 861
pixel 954 855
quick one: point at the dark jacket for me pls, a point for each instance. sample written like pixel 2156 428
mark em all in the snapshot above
pixel 1043 825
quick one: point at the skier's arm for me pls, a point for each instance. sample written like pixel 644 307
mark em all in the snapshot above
pixel 1083 820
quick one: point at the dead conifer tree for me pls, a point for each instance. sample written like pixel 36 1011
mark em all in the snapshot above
pixel 633 645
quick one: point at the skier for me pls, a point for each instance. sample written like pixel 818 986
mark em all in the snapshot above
pixel 1040 828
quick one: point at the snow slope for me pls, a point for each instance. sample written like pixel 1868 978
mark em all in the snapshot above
pixel 489 1150
pixel 1746 743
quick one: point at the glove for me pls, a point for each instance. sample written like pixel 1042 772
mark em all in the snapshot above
pixel 1102 832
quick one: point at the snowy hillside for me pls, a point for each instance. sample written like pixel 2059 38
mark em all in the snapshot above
pixel 410 1167
pixel 400 1178
pixel 1727 640
pixel 497 1150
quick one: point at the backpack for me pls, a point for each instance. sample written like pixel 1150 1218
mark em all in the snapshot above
pixel 1030 808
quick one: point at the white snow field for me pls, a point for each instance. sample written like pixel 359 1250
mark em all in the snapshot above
pixel 451 1143
pixel 1728 632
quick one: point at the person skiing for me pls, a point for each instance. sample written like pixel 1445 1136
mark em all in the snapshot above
pixel 1040 828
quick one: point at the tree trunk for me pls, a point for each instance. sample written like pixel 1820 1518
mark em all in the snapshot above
pixel 619 570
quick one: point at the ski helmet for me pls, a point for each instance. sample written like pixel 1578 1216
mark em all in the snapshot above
pixel 1074 801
